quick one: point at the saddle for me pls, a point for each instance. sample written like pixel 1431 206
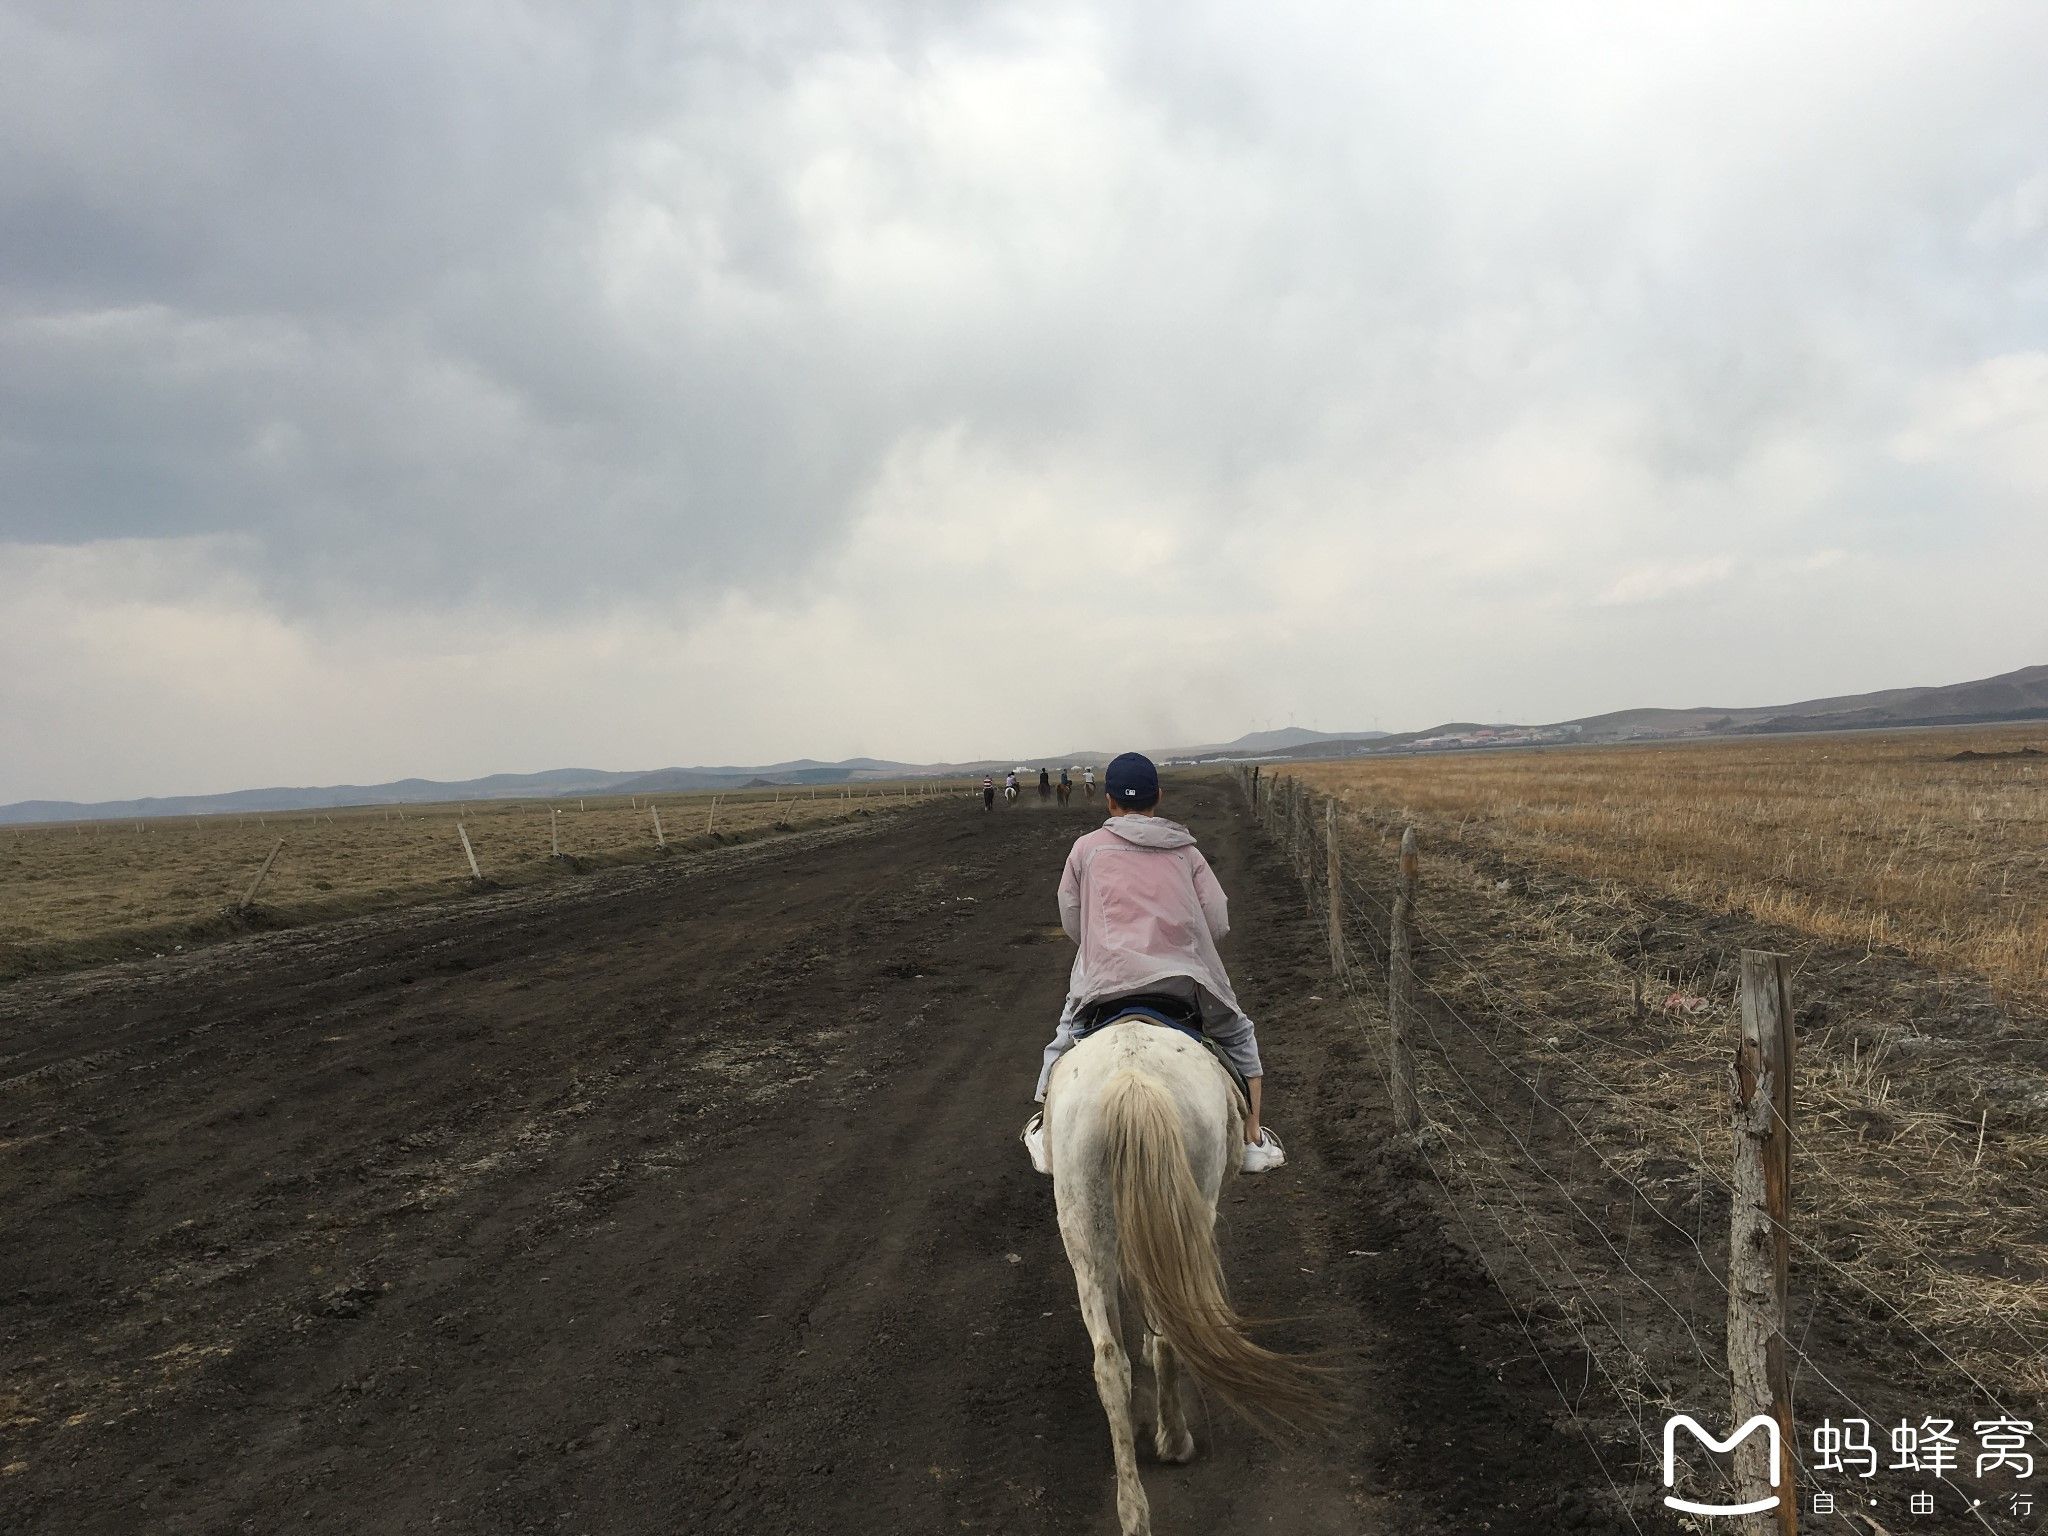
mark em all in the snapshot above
pixel 1158 1008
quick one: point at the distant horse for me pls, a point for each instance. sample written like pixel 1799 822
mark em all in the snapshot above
pixel 1142 1127
pixel 1066 791
pixel 1009 794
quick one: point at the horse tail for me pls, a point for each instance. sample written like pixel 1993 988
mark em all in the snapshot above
pixel 1166 1240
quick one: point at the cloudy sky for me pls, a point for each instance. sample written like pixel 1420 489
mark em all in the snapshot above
pixel 450 388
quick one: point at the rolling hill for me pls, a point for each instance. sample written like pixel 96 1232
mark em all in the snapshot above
pixel 2020 695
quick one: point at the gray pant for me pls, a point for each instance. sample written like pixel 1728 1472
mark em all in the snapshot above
pixel 1234 1039
pixel 1062 1042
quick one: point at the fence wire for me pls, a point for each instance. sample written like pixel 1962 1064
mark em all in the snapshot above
pixel 1456 1136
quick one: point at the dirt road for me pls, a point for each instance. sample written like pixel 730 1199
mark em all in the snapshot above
pixel 686 1198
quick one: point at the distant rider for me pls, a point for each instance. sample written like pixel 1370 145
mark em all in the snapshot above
pixel 1065 779
pixel 1143 906
pixel 1088 781
pixel 1044 785
pixel 988 792
pixel 1010 785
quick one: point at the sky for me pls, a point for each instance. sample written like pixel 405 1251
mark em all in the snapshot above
pixel 454 388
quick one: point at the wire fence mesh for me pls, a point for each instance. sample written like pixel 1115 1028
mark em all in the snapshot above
pixel 1602 1249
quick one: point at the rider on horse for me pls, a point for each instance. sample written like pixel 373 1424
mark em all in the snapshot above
pixel 1144 907
pixel 988 792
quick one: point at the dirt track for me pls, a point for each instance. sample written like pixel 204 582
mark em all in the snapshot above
pixel 686 1198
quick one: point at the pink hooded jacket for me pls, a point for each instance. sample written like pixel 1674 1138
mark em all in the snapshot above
pixel 1141 902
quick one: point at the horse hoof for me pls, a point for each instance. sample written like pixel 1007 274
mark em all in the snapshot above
pixel 1179 1452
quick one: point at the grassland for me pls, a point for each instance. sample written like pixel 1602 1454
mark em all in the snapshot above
pixel 1592 903
pixel 1885 840
pixel 81 891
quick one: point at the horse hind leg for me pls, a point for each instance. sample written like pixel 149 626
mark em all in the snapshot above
pixel 1172 1440
pixel 1113 1386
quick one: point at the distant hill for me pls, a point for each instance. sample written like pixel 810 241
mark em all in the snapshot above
pixel 674 781
pixel 2021 695
pixel 1277 741
pixel 496 786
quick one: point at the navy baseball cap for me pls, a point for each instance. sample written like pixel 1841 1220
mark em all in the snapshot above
pixel 1131 778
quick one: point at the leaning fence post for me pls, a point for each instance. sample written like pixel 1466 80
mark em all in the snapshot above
pixel 1401 988
pixel 711 815
pixel 555 833
pixel 659 840
pixel 261 875
pixel 1336 887
pixel 463 832
pixel 1759 1237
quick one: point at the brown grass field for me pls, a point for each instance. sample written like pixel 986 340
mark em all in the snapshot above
pixel 1589 905
pixel 1883 840
pixel 77 892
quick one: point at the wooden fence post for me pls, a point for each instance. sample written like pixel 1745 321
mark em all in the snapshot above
pixel 1759 1238
pixel 555 832
pixel 1336 887
pixel 712 816
pixel 659 840
pixel 1304 857
pixel 261 875
pixel 1401 988
pixel 470 853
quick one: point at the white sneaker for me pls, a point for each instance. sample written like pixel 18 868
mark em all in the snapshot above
pixel 1033 1138
pixel 1264 1154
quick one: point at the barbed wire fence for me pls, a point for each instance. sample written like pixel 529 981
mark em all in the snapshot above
pixel 1559 1224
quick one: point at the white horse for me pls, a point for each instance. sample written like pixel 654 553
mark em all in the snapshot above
pixel 1142 1127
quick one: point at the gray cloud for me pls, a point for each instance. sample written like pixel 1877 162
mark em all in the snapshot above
pixel 647 325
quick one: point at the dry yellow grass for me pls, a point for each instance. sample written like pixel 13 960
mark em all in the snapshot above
pixel 1923 1124
pixel 82 890
pixel 1878 839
